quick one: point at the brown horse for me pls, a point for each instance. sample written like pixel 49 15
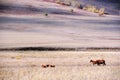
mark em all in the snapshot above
pixel 43 66
pixel 52 65
pixel 98 62
pixel 48 65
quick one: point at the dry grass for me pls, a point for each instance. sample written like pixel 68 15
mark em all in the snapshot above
pixel 90 8
pixel 70 65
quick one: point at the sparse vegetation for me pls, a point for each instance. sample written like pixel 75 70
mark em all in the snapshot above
pixel 79 5
pixel 46 14
pixel 57 1
pixel 71 10
pixel 101 11
pixel 91 8
pixel 17 57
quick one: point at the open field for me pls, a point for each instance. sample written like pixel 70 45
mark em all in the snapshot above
pixel 36 24
pixel 69 65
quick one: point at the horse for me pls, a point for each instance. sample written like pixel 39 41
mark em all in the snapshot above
pixel 48 65
pixel 98 62
pixel 52 65
pixel 43 66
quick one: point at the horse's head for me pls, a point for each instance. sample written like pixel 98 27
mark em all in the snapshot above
pixel 91 60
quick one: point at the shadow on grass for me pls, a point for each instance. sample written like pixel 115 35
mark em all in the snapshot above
pixel 61 49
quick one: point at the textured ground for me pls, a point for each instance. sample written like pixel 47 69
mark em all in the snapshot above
pixel 70 65
pixel 25 25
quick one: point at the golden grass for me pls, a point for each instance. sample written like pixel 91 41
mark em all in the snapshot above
pixel 90 8
pixel 63 73
pixel 69 65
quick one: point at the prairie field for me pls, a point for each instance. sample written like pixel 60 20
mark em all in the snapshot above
pixel 41 23
pixel 69 65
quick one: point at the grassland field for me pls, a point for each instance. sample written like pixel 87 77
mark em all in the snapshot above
pixel 69 65
pixel 23 23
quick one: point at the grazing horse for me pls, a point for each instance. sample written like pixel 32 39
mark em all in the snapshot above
pixel 43 66
pixel 48 65
pixel 98 62
pixel 52 65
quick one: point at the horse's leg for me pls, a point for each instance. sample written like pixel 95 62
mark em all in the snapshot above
pixel 98 64
pixel 104 63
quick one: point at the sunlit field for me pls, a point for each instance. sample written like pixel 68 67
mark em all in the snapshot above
pixel 69 65
pixel 51 24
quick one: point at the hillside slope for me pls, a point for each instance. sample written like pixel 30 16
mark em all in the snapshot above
pixel 27 27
